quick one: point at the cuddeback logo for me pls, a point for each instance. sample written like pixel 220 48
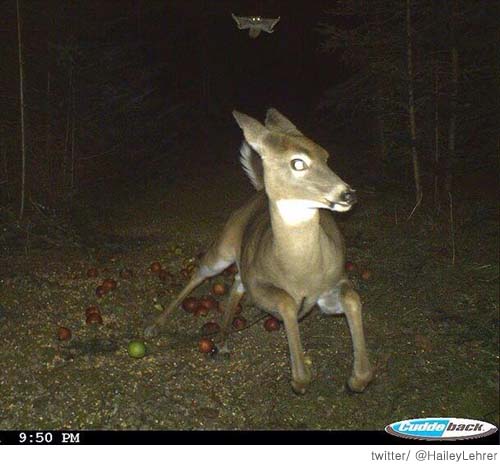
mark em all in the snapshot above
pixel 441 428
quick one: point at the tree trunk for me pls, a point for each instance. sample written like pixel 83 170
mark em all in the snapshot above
pixel 381 121
pixel 5 176
pixel 138 17
pixel 48 159
pixel 411 107
pixel 381 124
pixel 453 119
pixel 67 138
pixel 72 165
pixel 205 73
pixel 21 104
pixel 437 197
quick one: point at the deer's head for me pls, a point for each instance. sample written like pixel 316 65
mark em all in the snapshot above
pixel 296 173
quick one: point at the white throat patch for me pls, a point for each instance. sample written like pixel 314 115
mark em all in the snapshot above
pixel 341 207
pixel 296 211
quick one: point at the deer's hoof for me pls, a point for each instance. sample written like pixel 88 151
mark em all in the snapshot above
pixel 151 331
pixel 299 388
pixel 221 352
pixel 300 385
pixel 358 383
pixel 222 348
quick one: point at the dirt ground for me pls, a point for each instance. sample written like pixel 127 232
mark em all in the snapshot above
pixel 432 327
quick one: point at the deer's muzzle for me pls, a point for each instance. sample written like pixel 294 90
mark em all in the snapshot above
pixel 349 197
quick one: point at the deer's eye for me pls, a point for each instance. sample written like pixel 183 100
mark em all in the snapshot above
pixel 298 165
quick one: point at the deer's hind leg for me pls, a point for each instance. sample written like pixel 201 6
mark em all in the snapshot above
pixel 213 263
pixel 230 306
pixel 223 252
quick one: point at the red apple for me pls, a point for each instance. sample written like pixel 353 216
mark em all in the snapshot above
pixel 126 274
pixel 200 310
pixel 164 275
pixel 92 310
pixel 209 302
pixel 210 328
pixel 349 266
pixel 92 272
pixel 190 304
pixel 205 345
pixel 231 270
pixel 109 284
pixel 94 319
pixel 100 291
pixel 366 275
pixel 239 323
pixel 271 324
pixel 155 267
pixel 218 289
pixel 63 333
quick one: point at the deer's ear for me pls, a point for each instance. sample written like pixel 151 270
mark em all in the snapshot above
pixel 254 131
pixel 276 121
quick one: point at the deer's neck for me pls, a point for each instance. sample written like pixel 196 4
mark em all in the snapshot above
pixel 296 232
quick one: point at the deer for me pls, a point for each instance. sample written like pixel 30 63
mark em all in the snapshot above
pixel 289 252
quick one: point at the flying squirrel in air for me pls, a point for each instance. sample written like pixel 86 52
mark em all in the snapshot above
pixel 255 24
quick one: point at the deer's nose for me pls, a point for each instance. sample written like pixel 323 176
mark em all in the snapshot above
pixel 348 196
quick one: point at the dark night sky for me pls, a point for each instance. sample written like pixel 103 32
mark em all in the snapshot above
pixel 284 69
pixel 166 50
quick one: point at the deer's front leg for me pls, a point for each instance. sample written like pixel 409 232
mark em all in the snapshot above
pixel 275 299
pixel 362 373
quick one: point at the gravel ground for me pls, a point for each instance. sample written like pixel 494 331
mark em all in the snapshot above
pixel 432 328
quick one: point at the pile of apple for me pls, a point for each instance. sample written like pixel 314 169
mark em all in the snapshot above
pixel 208 304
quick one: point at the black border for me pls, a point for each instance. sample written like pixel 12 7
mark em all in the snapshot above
pixel 224 437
